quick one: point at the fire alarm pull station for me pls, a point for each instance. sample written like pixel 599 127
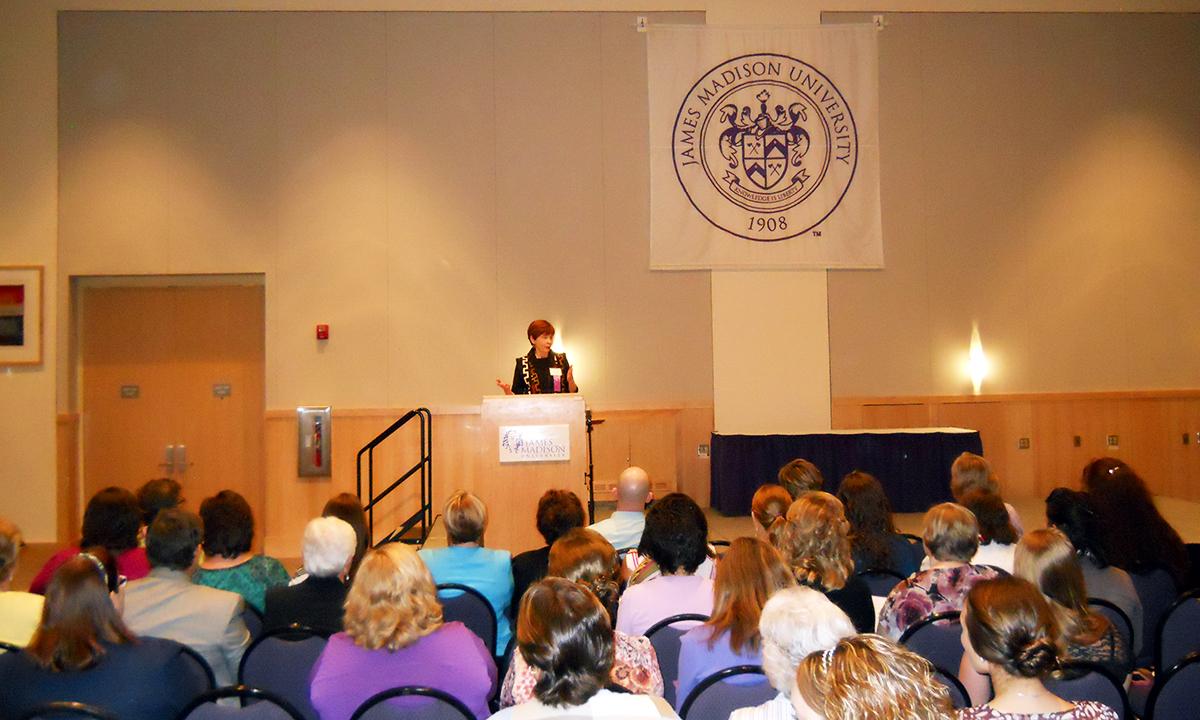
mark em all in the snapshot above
pixel 313 445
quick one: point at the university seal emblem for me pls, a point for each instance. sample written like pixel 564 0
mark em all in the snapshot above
pixel 765 147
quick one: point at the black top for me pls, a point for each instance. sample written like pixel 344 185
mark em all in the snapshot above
pixel 144 680
pixel 527 568
pixel 532 374
pixel 316 602
pixel 855 600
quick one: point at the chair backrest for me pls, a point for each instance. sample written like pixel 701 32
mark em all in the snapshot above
pixel 63 710
pixel 254 621
pixel 665 639
pixel 280 662
pixel 415 703
pixel 200 676
pixel 959 697
pixel 716 697
pixel 1179 631
pixel 468 606
pixel 913 539
pixel 1090 681
pixel 1119 620
pixel 1156 590
pixel 1000 572
pixel 265 706
pixel 9 647
pixel 880 581
pixel 1176 693
pixel 937 638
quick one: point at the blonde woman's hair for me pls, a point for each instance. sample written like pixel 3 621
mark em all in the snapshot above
pixel 465 518
pixel 815 541
pixel 1047 559
pixel 951 532
pixel 972 472
pixel 868 677
pixel 393 601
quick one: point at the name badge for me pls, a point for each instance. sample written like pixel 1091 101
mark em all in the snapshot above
pixel 555 372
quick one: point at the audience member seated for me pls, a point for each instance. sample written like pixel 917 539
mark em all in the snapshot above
pixel 1009 634
pixel 316 601
pixel 972 472
pixel 749 573
pixel 1136 536
pixel 676 539
pixel 158 494
pixel 564 632
pixel 769 503
pixel 347 507
pixel 19 611
pixel 228 562
pixel 815 543
pixel 466 561
pixel 557 512
pixel 874 542
pixel 868 677
pixel 112 520
pixel 583 556
pixel 624 527
pixel 800 476
pixel 83 652
pixel 168 604
pixel 1071 512
pixel 795 622
pixel 997 536
pixel 395 636
pixel 951 537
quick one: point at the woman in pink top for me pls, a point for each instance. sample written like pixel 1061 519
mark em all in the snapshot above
pixel 112 520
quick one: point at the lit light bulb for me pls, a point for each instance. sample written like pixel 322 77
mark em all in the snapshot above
pixel 977 362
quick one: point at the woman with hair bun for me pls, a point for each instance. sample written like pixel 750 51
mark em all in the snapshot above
pixel 1009 633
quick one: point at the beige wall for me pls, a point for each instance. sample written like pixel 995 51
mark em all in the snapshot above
pixel 1041 177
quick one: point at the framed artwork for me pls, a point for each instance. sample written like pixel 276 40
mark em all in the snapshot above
pixel 20 315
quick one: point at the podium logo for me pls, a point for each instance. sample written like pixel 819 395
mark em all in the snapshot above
pixel 535 443
pixel 765 147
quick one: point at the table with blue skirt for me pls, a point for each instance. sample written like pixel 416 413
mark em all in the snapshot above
pixel 912 464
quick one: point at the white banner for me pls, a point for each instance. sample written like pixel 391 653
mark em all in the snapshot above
pixel 764 147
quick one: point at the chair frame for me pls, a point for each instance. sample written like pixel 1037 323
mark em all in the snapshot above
pixel 888 572
pixel 668 621
pixel 83 710
pixel 249 609
pixel 491 611
pixel 1111 606
pixel 242 692
pixel 412 691
pixel 1183 598
pixel 9 647
pixel 1126 710
pixel 928 620
pixel 290 629
pixel 1161 682
pixel 715 678
pixel 940 672
pixel 212 678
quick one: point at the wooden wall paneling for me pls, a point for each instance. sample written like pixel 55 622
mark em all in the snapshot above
pixel 1183 470
pixel 999 424
pixel 846 414
pixel 693 428
pixel 612 450
pixel 67 490
pixel 896 415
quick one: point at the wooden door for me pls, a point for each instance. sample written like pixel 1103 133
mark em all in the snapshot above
pixel 170 346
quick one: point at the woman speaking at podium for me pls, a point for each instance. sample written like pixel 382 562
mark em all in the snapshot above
pixel 541 370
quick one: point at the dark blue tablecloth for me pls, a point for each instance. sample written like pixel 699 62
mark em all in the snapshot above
pixel 914 468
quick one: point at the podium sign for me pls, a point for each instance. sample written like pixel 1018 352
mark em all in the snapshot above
pixel 535 443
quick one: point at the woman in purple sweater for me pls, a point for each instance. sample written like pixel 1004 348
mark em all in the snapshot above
pixel 395 636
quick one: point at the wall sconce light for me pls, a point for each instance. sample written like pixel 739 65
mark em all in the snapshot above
pixel 977 362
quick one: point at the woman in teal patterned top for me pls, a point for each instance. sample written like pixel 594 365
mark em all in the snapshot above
pixel 228 563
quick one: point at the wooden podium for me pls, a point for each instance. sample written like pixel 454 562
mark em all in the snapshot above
pixel 529 444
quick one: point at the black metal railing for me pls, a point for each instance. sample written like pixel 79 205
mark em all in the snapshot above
pixel 423 468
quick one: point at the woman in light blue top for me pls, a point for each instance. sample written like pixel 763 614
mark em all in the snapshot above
pixel 466 561
pixel 748 574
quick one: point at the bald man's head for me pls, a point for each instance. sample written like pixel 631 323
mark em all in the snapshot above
pixel 633 489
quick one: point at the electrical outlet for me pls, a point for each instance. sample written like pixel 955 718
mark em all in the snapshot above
pixel 702 450
pixel 1114 441
pixel 1186 438
pixel 1077 441
pixel 1023 444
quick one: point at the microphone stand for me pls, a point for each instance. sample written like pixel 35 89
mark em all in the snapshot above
pixel 590 475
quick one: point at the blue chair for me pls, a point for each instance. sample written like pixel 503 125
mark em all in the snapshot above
pixel 9 647
pixel 1089 681
pixel 959 697
pixel 937 638
pixel 1179 631
pixel 665 639
pixel 716 697
pixel 880 581
pixel 1176 693
pixel 437 705
pixel 468 606
pixel 254 621
pixel 200 675
pixel 1156 589
pixel 280 662
pixel 63 710
pixel 262 706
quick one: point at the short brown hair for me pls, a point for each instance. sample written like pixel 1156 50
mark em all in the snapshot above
pixel 393 601
pixel 749 573
pixel 563 630
pixel 538 328
pixel 995 524
pixel 585 556
pixel 800 476
pixel 972 472
pixel 951 532
pixel 557 512
pixel 228 524
pixel 769 502
pixel 1009 623
pixel 868 677
pixel 10 547
pixel 465 518
pixel 815 541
